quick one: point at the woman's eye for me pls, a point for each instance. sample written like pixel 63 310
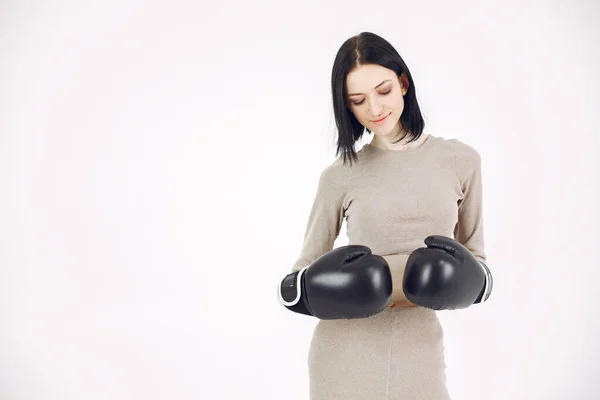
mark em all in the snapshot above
pixel 360 102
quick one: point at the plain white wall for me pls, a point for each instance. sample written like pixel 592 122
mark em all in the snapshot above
pixel 158 162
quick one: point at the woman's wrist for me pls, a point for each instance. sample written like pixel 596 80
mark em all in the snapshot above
pixel 397 264
pixel 401 304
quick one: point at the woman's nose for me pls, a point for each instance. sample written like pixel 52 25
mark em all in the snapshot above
pixel 375 107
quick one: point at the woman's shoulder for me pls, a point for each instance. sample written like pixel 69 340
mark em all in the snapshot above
pixel 335 171
pixel 460 148
pixel 466 157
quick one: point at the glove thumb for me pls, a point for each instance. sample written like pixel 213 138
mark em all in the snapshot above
pixel 447 244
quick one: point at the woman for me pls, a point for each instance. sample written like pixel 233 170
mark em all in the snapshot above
pixel 397 190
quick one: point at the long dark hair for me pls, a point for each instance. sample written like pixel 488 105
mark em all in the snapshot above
pixel 368 48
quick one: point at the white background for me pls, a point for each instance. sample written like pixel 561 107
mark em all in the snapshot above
pixel 158 161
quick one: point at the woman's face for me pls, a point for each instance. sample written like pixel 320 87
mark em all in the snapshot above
pixel 375 92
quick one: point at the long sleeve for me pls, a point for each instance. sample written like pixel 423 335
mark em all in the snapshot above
pixel 469 228
pixel 327 214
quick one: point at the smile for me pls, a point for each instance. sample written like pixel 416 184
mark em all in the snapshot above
pixel 382 119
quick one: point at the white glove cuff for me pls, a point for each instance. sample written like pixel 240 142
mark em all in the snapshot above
pixel 291 288
pixel 489 282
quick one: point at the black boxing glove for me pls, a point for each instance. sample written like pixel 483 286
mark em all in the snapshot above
pixel 445 275
pixel 346 283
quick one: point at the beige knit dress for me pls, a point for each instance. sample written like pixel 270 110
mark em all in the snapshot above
pixel 391 200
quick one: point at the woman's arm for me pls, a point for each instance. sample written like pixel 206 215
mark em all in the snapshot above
pixel 397 263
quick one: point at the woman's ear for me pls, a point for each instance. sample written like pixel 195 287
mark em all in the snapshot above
pixel 404 84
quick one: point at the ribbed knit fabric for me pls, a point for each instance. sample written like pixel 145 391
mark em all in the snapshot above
pixel 391 201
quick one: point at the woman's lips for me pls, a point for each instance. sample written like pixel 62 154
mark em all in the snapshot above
pixel 382 119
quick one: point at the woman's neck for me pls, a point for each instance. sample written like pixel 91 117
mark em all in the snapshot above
pixel 386 144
